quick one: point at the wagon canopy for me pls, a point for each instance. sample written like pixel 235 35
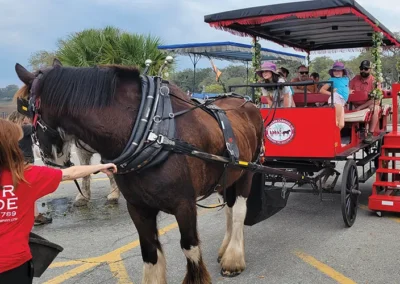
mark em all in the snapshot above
pixel 232 51
pixel 306 26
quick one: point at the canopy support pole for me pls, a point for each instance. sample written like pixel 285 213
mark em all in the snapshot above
pixel 194 59
pixel 247 75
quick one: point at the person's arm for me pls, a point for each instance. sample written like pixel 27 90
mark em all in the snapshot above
pixel 76 172
pixel 324 90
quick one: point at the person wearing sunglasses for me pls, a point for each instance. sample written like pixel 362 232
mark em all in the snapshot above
pixel 364 82
pixel 303 76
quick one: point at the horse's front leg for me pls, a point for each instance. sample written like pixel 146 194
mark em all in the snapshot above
pixel 233 260
pixel 186 216
pixel 154 267
pixel 113 196
pixel 232 252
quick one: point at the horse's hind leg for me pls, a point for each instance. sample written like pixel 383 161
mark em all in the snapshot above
pixel 186 216
pixel 84 159
pixel 154 267
pixel 233 258
pixel 113 196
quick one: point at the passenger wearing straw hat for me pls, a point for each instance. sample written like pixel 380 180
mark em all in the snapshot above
pixel 276 96
pixel 341 90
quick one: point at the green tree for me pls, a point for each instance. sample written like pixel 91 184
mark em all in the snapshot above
pixel 41 59
pixel 104 46
pixel 321 65
pixel 214 88
pixel 7 93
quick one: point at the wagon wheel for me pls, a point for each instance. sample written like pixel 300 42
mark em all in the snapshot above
pixel 350 193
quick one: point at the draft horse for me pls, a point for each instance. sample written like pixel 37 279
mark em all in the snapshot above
pixel 105 106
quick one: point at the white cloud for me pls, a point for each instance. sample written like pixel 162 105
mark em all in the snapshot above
pixel 27 26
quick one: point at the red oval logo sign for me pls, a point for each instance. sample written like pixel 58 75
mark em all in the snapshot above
pixel 280 131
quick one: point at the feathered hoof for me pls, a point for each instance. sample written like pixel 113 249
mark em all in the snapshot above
pixel 80 202
pixel 230 274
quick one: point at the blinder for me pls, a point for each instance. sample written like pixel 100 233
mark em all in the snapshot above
pixel 31 108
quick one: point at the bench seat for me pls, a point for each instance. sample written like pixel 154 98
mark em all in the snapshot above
pixel 312 98
pixel 363 115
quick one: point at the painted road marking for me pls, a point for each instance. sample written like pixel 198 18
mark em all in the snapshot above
pixel 117 267
pixel 327 270
pixel 113 259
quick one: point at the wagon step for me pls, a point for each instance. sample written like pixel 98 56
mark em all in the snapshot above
pixel 364 177
pixel 386 158
pixel 387 184
pixel 388 171
pixel 367 159
pixel 391 147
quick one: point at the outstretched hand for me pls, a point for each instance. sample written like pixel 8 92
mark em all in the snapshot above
pixel 109 169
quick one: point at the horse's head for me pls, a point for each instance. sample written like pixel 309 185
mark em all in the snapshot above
pixel 54 144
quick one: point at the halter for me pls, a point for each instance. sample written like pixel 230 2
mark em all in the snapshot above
pixel 31 108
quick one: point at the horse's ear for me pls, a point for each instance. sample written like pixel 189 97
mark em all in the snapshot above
pixel 56 62
pixel 24 75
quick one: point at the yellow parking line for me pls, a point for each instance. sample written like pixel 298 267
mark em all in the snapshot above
pixel 113 259
pixel 119 271
pixel 329 271
pixel 71 273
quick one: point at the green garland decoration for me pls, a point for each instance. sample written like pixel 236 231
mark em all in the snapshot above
pixel 377 66
pixel 398 67
pixel 256 64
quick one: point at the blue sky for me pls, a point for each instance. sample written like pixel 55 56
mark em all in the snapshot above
pixel 27 26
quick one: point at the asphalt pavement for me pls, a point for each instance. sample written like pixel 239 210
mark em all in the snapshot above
pixel 306 242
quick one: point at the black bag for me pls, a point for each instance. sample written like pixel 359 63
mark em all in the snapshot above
pixel 43 253
pixel 264 201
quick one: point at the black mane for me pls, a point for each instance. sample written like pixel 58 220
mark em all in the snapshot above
pixel 71 90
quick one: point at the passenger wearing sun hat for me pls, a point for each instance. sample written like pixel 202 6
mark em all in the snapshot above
pixel 341 90
pixel 269 74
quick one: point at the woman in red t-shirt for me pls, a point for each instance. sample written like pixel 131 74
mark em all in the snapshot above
pixel 20 186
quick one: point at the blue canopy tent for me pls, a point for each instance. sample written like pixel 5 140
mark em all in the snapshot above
pixel 231 51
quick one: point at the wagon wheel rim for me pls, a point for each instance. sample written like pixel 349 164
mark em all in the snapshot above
pixel 350 195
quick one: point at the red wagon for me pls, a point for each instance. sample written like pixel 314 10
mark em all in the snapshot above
pixel 305 140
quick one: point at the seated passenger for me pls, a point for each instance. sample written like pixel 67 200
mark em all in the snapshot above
pixel 284 73
pixel 280 96
pixel 315 77
pixel 303 77
pixel 364 82
pixel 341 90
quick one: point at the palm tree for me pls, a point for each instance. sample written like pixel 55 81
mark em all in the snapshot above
pixel 110 46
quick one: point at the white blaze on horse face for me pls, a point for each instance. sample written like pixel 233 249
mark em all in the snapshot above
pixel 155 273
pixel 193 254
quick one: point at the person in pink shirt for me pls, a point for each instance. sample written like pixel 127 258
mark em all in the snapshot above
pixel 364 82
